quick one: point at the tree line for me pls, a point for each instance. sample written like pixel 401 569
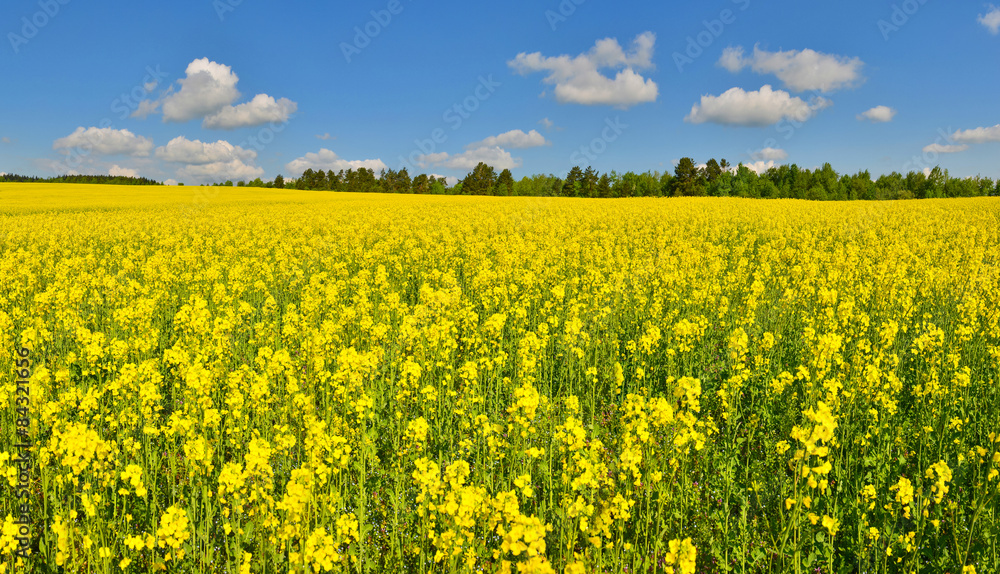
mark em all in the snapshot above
pixel 360 180
pixel 101 179
pixel 715 179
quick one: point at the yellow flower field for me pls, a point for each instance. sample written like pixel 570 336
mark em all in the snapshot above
pixel 250 381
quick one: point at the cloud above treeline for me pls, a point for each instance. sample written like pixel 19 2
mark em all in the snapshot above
pixel 580 79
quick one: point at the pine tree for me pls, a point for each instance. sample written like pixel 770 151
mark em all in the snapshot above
pixel 505 183
pixel 480 181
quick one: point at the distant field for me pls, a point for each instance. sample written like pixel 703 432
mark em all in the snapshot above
pixel 34 197
pixel 257 380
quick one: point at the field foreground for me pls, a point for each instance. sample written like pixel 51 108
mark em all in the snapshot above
pixel 314 382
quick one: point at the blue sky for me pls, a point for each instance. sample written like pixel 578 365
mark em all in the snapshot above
pixel 207 90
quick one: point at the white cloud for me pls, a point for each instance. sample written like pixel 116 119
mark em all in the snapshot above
pixel 105 141
pixel 327 160
pixel 799 70
pixel 118 171
pixel 978 135
pixel 196 152
pixel 732 59
pixel 207 88
pixel 770 154
pixel 5 140
pixel 991 20
pixel 544 122
pixel 878 115
pixel 432 158
pixel 514 139
pixel 941 148
pixel 578 80
pixel 210 162
pixel 208 91
pixel 761 166
pixel 260 110
pixel 495 157
pixel 170 182
pixel 146 108
pixel 761 108
pixel 325 137
pixel 220 171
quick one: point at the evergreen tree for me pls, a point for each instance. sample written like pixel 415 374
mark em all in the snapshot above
pixel 688 179
pixel 588 187
pixel 421 184
pixel 505 183
pixel 604 186
pixel 480 181
pixel 571 186
pixel 712 171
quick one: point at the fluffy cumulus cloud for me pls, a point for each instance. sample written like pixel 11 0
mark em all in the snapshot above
pixel 118 171
pixel 769 154
pixel 800 70
pixel 760 108
pixel 105 141
pixel 516 139
pixel 579 79
pixel 494 156
pixel 208 92
pixel 210 162
pixel 944 148
pixel 207 88
pixel 878 115
pixel 260 110
pixel 196 152
pixel 978 135
pixel 991 20
pixel 327 160
pixel 220 171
